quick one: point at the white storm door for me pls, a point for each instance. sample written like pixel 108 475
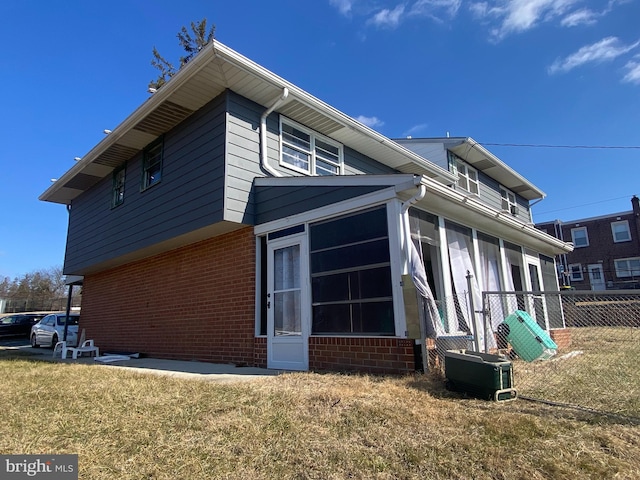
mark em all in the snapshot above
pixel 596 277
pixel 288 304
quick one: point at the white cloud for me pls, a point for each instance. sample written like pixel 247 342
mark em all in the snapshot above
pixel 509 17
pixel 521 15
pixel 633 72
pixel 583 16
pixel 370 122
pixel 480 9
pixel 343 6
pixel 388 18
pixel 434 8
pixel 415 129
pixel 606 49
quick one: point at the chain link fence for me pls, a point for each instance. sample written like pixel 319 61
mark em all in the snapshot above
pixel 590 343
pixel 37 304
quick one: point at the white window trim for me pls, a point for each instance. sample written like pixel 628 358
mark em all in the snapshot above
pixel 313 136
pixel 624 274
pixel 510 199
pixel 571 272
pixel 613 231
pixel 586 234
pixel 457 161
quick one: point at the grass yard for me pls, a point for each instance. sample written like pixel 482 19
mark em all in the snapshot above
pixel 605 375
pixel 125 425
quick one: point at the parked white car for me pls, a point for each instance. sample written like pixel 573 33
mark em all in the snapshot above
pixel 50 330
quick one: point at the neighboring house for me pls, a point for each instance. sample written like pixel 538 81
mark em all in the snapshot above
pixel 234 217
pixel 606 251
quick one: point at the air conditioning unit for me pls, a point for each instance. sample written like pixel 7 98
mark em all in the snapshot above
pixel 513 209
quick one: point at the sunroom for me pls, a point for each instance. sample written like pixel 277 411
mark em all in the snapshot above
pixel 342 258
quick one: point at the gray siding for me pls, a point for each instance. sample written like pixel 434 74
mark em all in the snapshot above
pixel 189 196
pixel 209 164
pixel 434 152
pixel 243 158
pixel 490 194
pixel 274 203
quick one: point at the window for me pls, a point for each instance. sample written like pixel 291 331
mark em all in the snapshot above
pixel 620 231
pixel 628 267
pixel 308 152
pixel 117 196
pixel 467 177
pixel 152 164
pixel 579 237
pixel 351 275
pixel 575 272
pixel 509 201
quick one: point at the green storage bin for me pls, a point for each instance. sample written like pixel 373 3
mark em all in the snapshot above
pixel 527 339
pixel 479 374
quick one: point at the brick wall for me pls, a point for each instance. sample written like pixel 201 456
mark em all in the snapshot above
pixel 193 303
pixel 561 337
pixel 372 355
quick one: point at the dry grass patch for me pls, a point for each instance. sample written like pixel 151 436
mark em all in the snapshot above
pixel 604 376
pixel 296 426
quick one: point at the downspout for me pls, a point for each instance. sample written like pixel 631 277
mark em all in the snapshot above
pixel 263 132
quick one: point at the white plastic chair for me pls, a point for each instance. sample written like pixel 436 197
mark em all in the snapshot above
pixel 84 346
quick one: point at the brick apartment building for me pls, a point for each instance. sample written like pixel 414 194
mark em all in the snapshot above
pixel 607 250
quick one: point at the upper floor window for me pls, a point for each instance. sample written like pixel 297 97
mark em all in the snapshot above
pixel 575 272
pixel 620 231
pixel 309 152
pixel 117 195
pixel 509 201
pixel 152 164
pixel 628 267
pixel 579 237
pixel 467 177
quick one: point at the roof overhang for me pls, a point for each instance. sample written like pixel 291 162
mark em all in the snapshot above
pixel 215 69
pixel 482 159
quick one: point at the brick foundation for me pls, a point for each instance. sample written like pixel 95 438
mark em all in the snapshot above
pixel 371 355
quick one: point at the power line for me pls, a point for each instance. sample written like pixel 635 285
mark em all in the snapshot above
pixel 584 205
pixel 539 145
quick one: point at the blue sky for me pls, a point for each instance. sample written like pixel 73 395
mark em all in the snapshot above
pixel 524 72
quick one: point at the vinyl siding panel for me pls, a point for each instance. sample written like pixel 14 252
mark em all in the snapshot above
pixel 490 194
pixel 274 203
pixel 434 152
pixel 189 196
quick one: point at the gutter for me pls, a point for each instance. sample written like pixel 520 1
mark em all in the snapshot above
pixel 263 132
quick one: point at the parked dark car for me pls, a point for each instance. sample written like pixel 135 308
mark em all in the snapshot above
pixel 19 324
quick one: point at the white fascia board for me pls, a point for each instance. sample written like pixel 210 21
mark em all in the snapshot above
pixel 400 180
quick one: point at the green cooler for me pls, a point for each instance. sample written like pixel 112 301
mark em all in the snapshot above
pixel 527 339
pixel 479 374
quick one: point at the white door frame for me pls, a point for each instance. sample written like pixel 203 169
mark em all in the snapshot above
pixel 537 305
pixel 288 350
pixel 596 284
